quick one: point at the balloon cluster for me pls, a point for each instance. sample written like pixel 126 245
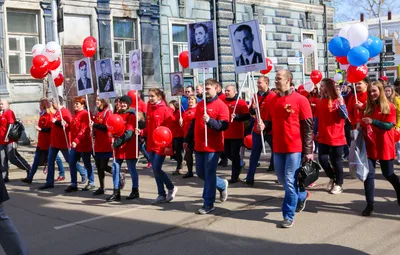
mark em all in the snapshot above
pixel 89 46
pixel 354 46
pixel 46 58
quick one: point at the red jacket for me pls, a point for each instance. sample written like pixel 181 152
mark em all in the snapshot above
pixel 44 134
pixel 219 121
pixel 264 102
pixel 221 96
pixel 176 129
pixel 142 106
pixel 188 116
pixel 6 119
pixel 355 114
pixel 128 149
pixel 157 115
pixel 236 127
pixel 102 139
pixel 80 132
pixel 57 139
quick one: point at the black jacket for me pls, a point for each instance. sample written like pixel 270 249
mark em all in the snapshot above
pixel 3 191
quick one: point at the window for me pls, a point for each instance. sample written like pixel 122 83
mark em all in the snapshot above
pixel 23 34
pixel 391 76
pixel 124 41
pixel 179 44
pixel 389 45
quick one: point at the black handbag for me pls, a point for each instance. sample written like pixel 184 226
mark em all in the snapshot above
pixel 308 173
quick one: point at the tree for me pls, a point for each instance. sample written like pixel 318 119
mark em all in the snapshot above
pixel 347 10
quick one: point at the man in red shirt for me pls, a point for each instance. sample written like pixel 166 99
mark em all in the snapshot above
pixel 355 107
pixel 235 132
pixel 292 134
pixel 8 148
pixel 216 119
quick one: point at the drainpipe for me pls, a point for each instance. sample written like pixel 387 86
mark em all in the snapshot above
pixel 161 54
pixel 214 16
pixel 326 41
pixel 234 22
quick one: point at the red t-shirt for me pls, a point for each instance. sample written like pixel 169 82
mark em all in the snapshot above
pixel 176 129
pixel 102 139
pixel 188 116
pixel 44 137
pixel 379 142
pixel 128 149
pixel 57 139
pixel 355 114
pixel 330 124
pixel 264 102
pixel 80 132
pixel 6 118
pixel 236 128
pixel 286 113
pixel 313 103
pixel 217 110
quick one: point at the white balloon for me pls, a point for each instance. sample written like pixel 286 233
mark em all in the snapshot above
pixel 338 77
pixel 52 51
pixel 37 49
pixel 357 34
pixel 56 72
pixel 344 30
pixel 309 86
pixel 308 47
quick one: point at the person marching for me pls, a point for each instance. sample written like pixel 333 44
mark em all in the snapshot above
pixel 125 149
pixel 292 133
pixel 177 134
pixel 356 107
pixel 394 98
pixel 378 122
pixel 81 146
pixel 217 120
pixel 187 118
pixel 330 114
pixel 264 96
pixel 158 114
pixel 235 133
pixel 102 141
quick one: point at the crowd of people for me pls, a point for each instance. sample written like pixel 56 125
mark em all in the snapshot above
pixel 294 123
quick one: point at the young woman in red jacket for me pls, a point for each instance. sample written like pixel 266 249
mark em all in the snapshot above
pixel 158 114
pixel 102 141
pixel 378 122
pixel 177 134
pixel 330 114
pixel 187 118
pixel 81 145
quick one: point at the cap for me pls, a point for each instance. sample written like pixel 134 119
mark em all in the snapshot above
pixel 126 99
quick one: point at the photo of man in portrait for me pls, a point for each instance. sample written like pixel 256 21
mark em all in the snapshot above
pixel 203 47
pixel 84 82
pixel 105 80
pixel 244 39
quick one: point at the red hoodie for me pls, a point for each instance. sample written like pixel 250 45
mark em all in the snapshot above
pixel 102 139
pixel 128 149
pixel 176 129
pixel 80 132
pixel 57 139
pixel 44 135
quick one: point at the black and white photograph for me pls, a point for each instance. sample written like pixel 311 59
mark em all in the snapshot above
pixel 247 48
pixel 83 76
pixel 105 79
pixel 135 70
pixel 202 45
pixel 118 72
pixel 177 84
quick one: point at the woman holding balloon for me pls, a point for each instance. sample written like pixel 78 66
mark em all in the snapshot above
pixel 177 134
pixel 159 114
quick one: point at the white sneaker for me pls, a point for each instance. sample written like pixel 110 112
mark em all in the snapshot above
pixel 329 187
pixel 223 194
pixel 337 189
pixel 171 194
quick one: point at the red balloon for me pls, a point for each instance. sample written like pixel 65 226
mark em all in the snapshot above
pixel 396 136
pixel 342 60
pixel 38 74
pixel 356 73
pixel 55 64
pixel 302 91
pixel 41 63
pixel 132 95
pixel 90 39
pixel 184 59
pixel 162 136
pixel 248 141
pixel 316 76
pixel 115 124
pixel 58 81
pixel 269 66
pixel 89 49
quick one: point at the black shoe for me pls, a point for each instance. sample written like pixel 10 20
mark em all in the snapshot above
pixel 271 168
pixel 134 194
pixel 6 179
pixel 223 163
pixel 368 210
pixel 206 210
pixel 302 204
pixel 248 182
pixel 187 175
pixel 116 196
pixel 233 181
pixel 98 192
pixel 258 164
pixel 46 186
pixel 26 180
pixel 71 189
pixel 176 172
pixel 89 187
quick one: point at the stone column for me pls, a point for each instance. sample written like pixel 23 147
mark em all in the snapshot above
pixel 3 87
pixel 104 21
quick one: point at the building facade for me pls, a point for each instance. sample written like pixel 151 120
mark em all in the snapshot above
pixel 158 28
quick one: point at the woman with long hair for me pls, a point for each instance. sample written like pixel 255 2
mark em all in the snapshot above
pixel 329 118
pixel 187 118
pixel 394 98
pixel 177 134
pixel 81 145
pixel 158 114
pixel 378 122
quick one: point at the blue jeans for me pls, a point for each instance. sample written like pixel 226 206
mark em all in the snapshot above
pixel 256 153
pixel 116 169
pixel 61 171
pixel 160 176
pixel 10 239
pixel 206 169
pixel 35 165
pixel 144 152
pixel 286 168
pixel 73 167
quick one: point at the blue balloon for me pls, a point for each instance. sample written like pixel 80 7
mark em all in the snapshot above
pixel 374 45
pixel 339 46
pixel 358 56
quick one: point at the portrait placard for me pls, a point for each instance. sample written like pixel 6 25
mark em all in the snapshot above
pixel 177 84
pixel 83 76
pixel 105 78
pixel 135 70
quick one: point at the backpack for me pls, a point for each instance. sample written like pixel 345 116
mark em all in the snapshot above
pixel 15 130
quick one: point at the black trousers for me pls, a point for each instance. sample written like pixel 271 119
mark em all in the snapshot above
pixel 101 165
pixel 232 152
pixel 178 148
pixel 334 153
